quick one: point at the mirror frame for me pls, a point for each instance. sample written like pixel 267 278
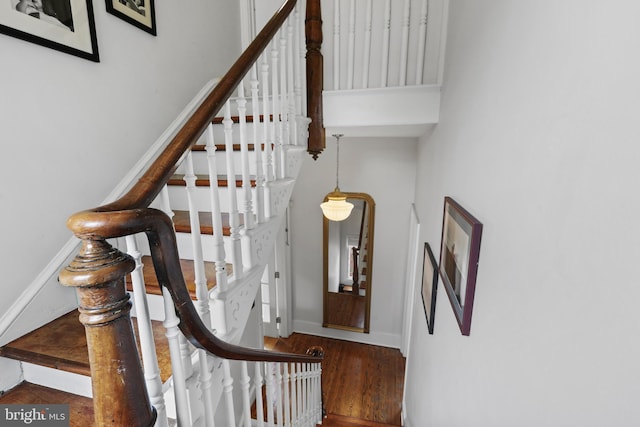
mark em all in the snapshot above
pixel 325 264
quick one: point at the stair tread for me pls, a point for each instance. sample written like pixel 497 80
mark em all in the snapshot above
pixel 203 180
pixel 335 420
pixel 188 271
pixel 62 344
pixel 80 407
pixel 182 223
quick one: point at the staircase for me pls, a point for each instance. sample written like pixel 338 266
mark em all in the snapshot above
pixel 167 274
pixel 185 246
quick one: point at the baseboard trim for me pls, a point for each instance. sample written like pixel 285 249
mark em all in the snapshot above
pixel 375 338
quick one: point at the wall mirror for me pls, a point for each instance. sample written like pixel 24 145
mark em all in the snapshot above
pixel 347 263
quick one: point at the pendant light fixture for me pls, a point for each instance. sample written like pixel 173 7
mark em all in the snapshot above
pixel 336 208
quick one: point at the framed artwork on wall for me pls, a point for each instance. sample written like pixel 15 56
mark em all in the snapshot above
pixel 459 253
pixel 429 285
pixel 140 13
pixel 64 25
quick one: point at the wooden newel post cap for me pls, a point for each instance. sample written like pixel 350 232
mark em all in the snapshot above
pixel 96 264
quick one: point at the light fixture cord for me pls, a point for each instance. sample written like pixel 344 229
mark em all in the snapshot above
pixel 337 137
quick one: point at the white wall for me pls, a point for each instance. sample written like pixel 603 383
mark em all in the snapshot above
pixel 72 128
pixel 385 169
pixel 538 138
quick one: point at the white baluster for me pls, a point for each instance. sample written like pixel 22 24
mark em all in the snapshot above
pixel 300 402
pixel 318 391
pixel 165 202
pixel 194 393
pixel 297 64
pixel 279 409
pixel 302 55
pixel 171 323
pixel 283 128
pixel 145 331
pixel 257 145
pixel 247 205
pixel 291 94
pixel 305 395
pixel 259 402
pixel 275 102
pixel 234 215
pixel 227 384
pixel 367 45
pixel 206 383
pixel 245 382
pixel 218 240
pixel 386 31
pixel 202 291
pixel 268 133
pixel 351 43
pixel 286 403
pixel 422 40
pixel 404 52
pixel 271 385
pixel 294 396
pixel 336 45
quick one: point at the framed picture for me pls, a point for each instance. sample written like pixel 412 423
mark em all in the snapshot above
pixel 429 285
pixel 140 13
pixel 64 25
pixel 459 253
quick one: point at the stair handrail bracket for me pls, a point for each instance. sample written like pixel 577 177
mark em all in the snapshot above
pixel 98 271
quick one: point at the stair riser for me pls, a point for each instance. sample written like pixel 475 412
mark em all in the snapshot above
pixel 202 198
pixel 184 242
pixel 201 163
pixel 57 379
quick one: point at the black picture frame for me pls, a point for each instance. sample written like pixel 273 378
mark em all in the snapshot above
pixel 139 13
pixel 64 25
pixel 429 285
pixel 459 255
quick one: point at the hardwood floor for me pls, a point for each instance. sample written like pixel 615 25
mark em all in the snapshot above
pixel 359 380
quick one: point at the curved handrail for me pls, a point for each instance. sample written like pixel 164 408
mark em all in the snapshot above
pixel 164 251
pixel 130 214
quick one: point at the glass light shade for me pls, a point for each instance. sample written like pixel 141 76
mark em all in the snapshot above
pixel 336 208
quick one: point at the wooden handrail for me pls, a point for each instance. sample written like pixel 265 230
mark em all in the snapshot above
pixel 98 271
pixel 150 184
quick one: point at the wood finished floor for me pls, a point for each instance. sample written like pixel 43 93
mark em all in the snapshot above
pixel 360 381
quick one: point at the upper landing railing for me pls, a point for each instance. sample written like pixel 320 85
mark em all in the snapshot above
pixel 374 44
pixel 277 87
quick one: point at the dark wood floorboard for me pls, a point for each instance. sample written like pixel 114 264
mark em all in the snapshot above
pixel 62 344
pixel 358 380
